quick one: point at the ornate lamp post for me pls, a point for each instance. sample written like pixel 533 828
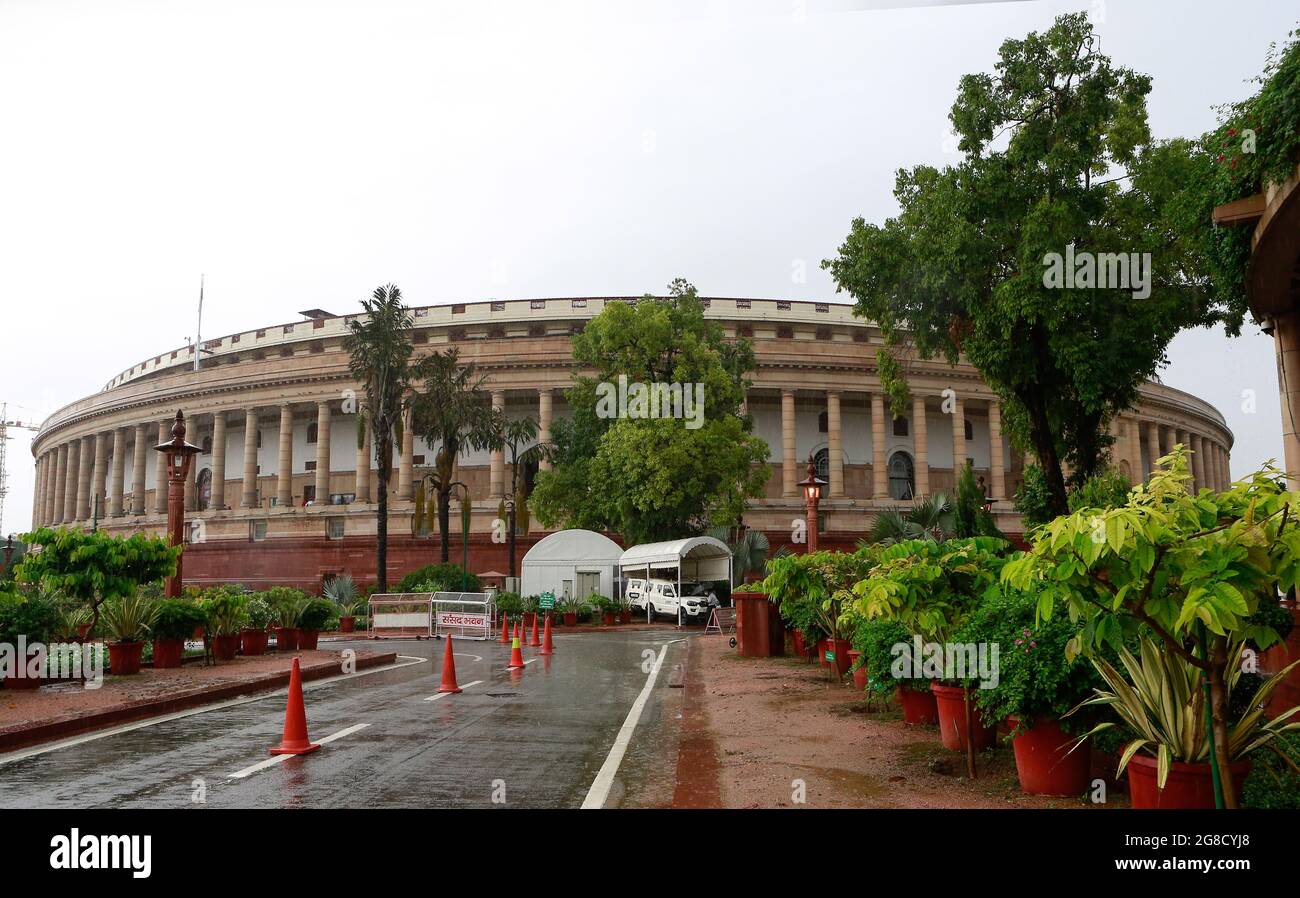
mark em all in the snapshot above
pixel 510 523
pixel 180 455
pixel 812 494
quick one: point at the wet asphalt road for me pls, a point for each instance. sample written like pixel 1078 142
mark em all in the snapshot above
pixel 536 739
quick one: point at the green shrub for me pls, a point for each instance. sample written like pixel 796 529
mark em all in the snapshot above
pixel 1033 500
pixel 316 614
pixel 511 604
pixel 226 610
pixel 875 638
pixel 1273 784
pixel 129 618
pixel 34 616
pixel 178 619
pixel 260 612
pixel 1109 489
pixel 439 578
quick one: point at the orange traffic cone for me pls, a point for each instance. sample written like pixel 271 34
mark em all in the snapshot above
pixel 547 647
pixel 516 656
pixel 505 630
pixel 449 671
pixel 534 642
pixel 295 741
pixel 519 631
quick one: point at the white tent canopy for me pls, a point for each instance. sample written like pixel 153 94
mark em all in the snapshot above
pixel 696 559
pixel 572 563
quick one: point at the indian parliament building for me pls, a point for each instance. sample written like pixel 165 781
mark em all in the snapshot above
pixel 281 493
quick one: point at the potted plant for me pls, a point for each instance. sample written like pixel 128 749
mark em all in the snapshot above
pixel 315 615
pixel 176 619
pixel 510 606
pixel 227 614
pixel 34 618
pixel 1163 701
pixel 1038 684
pixel 1190 570
pixel 569 609
pixel 287 604
pixel 528 607
pixel 129 620
pixel 253 639
pixel 883 643
pixel 342 591
pixel 811 590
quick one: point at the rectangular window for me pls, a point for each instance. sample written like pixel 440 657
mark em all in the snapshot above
pixel 742 304
pixel 456 334
pixel 785 332
pixel 288 328
pixel 334 528
pixel 783 305
pixel 458 309
pixel 311 466
pixel 498 307
pixel 317 323
pixel 420 337
pixel 536 303
pixel 286 352
pixel 578 303
pixel 823 333
pixel 262 332
pixel 860 335
pixel 744 330
pixel 822 307
pixel 257 531
pixel 537 330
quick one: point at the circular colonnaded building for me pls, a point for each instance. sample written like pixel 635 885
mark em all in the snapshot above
pixel 282 495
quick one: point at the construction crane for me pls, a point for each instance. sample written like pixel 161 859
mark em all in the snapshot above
pixel 5 424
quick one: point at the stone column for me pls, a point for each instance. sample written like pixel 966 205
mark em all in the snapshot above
pixel 248 493
pixel 544 397
pixel 879 464
pixel 140 459
pixel 958 440
pixel 191 482
pixel 1286 344
pixel 1153 444
pixel 498 470
pixel 218 500
pixel 42 484
pixel 997 465
pixel 921 446
pixel 1133 436
pixel 70 476
pixel 60 483
pixel 118 486
pixel 284 474
pixel 1198 462
pixel 99 476
pixel 406 463
pixel 361 483
pixel 323 417
pixel 789 477
pixel 835 438
pixel 160 469
pixel 85 457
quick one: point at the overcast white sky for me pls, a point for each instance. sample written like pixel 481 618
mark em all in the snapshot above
pixel 300 153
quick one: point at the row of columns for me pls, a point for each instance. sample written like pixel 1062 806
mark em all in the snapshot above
pixel 73 475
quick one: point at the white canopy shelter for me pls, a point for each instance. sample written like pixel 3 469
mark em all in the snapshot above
pixel 571 563
pixel 695 559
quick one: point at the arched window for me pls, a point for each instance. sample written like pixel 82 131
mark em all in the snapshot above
pixel 823 422
pixel 204 489
pixel 822 464
pixel 207 445
pixel 900 427
pixel 313 431
pixel 970 431
pixel 902 476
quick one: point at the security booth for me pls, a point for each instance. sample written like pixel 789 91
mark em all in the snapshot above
pixel 571 564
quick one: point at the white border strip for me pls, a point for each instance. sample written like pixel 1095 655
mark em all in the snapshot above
pixel 434 698
pixel 276 759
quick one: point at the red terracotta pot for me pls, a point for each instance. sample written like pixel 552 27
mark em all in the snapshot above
pixel 607 618
pixel 347 624
pixel 952 719
pixel 286 639
pixel 224 648
pixel 1046 765
pixel 23 682
pixel 841 649
pixel 821 653
pixel 82 631
pixel 198 634
pixel 571 618
pixel 529 617
pixel 124 657
pixel 799 648
pixel 307 640
pixel 859 672
pixel 625 616
pixel 1189 786
pixel 919 707
pixel 253 642
pixel 167 653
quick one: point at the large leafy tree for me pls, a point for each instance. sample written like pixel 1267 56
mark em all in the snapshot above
pixel 652 478
pixel 379 348
pixel 1057 152
pixel 451 410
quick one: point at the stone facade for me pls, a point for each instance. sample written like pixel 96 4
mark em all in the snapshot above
pixel 282 494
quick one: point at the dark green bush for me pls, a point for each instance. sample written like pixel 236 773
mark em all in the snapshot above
pixel 317 614
pixel 876 639
pixel 438 578
pixel 33 616
pixel 1273 784
pixel 177 619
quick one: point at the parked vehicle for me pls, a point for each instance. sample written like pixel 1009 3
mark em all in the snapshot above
pixel 636 593
pixel 662 598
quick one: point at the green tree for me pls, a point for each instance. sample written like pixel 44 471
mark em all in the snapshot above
pixel 1194 570
pixel 452 411
pixel 1058 160
pixel 652 478
pixel 379 348
pixel 95 567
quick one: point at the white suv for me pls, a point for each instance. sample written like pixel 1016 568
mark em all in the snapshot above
pixel 662 598
pixel 635 593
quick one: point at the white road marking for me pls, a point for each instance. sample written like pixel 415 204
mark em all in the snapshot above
pixel 276 759
pixel 600 787
pixel 35 750
pixel 434 698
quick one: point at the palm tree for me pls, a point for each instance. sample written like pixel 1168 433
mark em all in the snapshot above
pixel 930 518
pixel 512 435
pixel 452 411
pixel 748 551
pixel 379 348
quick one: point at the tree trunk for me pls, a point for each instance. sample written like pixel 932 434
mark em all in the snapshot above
pixel 1219 717
pixel 444 522
pixel 381 547
pixel 1040 433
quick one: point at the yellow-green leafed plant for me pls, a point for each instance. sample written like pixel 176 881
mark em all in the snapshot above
pixel 129 618
pixel 1163 701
